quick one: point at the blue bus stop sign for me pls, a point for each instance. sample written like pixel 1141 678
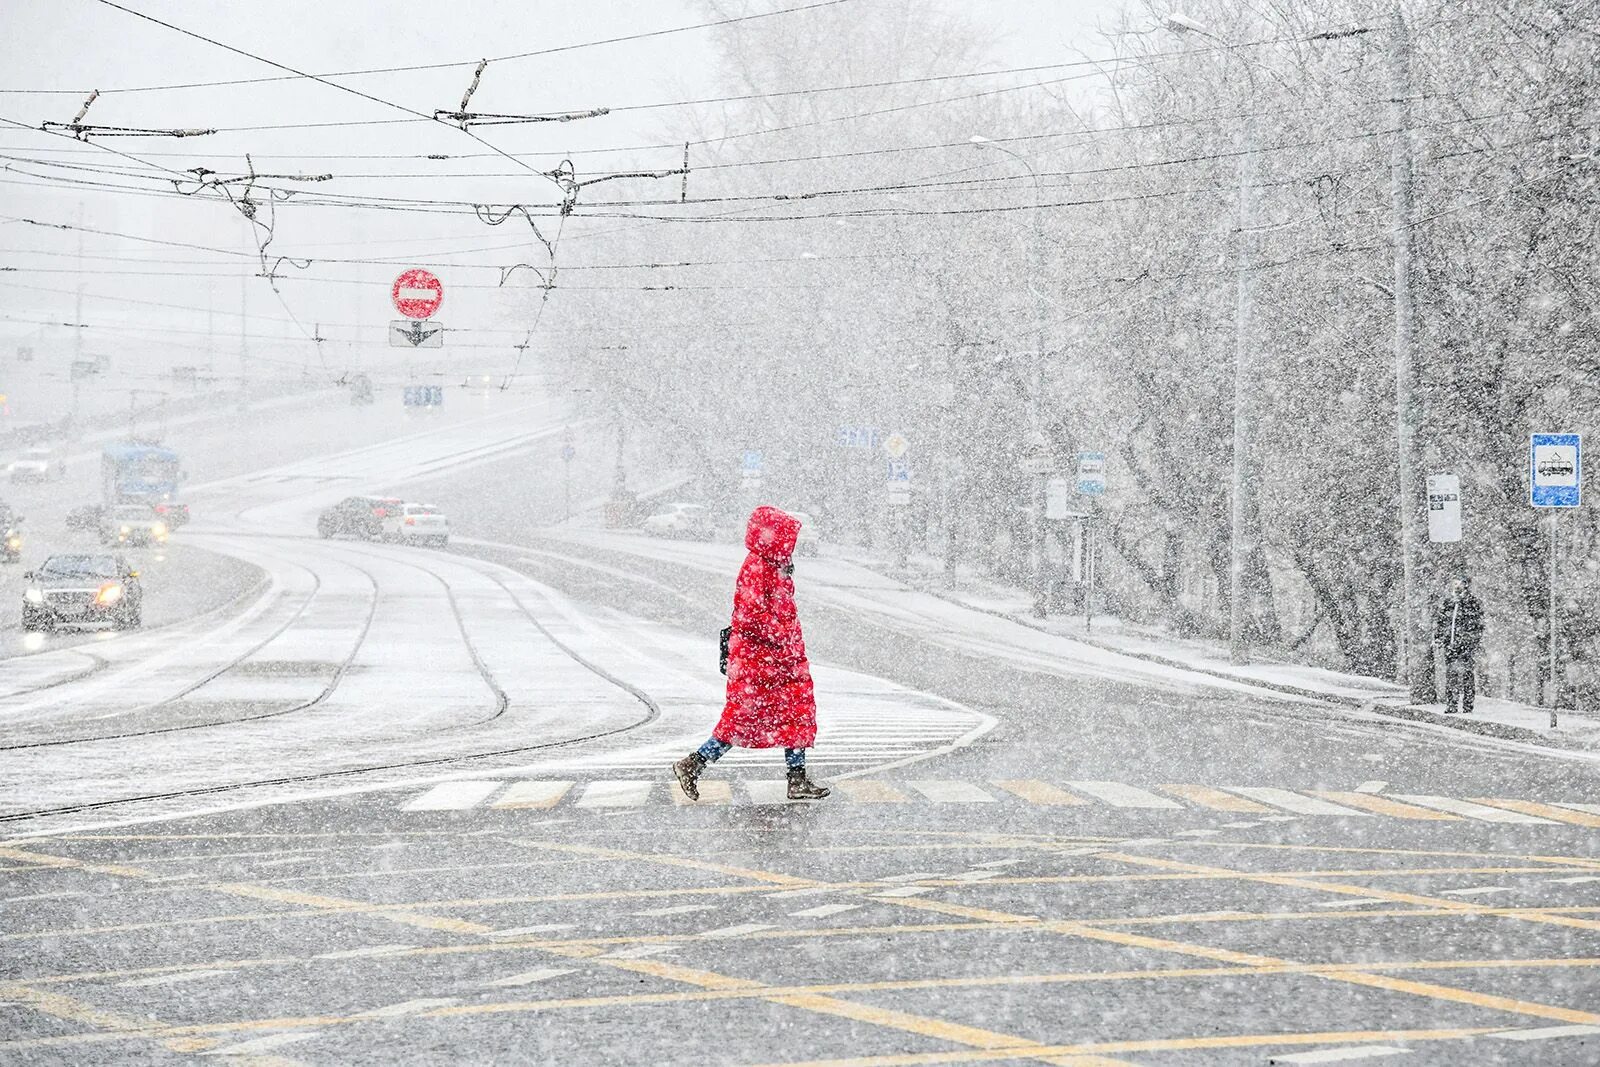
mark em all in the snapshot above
pixel 1555 474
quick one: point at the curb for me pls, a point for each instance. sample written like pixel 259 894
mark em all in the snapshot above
pixel 1408 712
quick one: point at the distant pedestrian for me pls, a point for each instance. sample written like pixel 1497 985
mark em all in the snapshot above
pixel 770 700
pixel 1457 629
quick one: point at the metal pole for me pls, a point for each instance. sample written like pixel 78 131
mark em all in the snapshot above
pixel 1555 690
pixel 1412 670
pixel 1241 537
pixel 1088 568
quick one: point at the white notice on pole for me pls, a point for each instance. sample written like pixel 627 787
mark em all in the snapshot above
pixel 1056 504
pixel 1444 508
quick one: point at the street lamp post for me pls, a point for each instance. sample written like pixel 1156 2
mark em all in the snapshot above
pixel 1036 436
pixel 1242 521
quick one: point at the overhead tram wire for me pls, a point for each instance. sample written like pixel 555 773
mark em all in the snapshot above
pixel 452 64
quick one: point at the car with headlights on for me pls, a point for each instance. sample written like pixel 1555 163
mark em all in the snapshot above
pixel 82 590
pixel 38 464
pixel 132 524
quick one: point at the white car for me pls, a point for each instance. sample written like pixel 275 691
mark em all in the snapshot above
pixel 417 523
pixel 37 464
pixel 809 542
pixel 681 520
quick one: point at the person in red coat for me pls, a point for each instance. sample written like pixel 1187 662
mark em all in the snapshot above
pixel 770 698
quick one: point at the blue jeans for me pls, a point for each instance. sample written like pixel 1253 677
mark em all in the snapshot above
pixel 713 750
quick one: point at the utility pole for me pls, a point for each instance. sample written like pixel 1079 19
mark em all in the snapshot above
pixel 1242 539
pixel 1413 668
pixel 244 341
pixel 77 332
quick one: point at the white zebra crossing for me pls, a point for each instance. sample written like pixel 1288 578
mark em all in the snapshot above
pixel 1272 803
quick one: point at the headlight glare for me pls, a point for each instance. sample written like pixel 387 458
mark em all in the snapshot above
pixel 34 596
pixel 109 593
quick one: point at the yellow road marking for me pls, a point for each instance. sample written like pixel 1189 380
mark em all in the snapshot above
pixel 671 861
pixel 1544 811
pixel 712 792
pixel 39 859
pixel 1216 799
pixel 915 1024
pixel 912 1059
pixel 870 791
pixel 1036 792
pixel 64 1007
pixel 1384 806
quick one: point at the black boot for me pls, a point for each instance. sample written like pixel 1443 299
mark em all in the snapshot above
pixel 688 770
pixel 803 788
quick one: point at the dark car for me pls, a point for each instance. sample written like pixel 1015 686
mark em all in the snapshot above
pixel 171 512
pixel 82 590
pixel 358 516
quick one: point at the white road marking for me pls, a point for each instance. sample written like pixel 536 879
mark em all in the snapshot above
pixel 1478 891
pixel 678 909
pixel 453 796
pixel 530 977
pixel 999 863
pixel 46 896
pixel 1545 1033
pixel 1125 796
pixel 173 978
pixel 1372 787
pixel 357 953
pixel 906 891
pixel 520 931
pixel 822 911
pixel 1197 833
pixel 920 876
pixel 1348 903
pixel 949 792
pixel 810 892
pixel 768 792
pixel 406 1007
pixel 639 951
pixel 1238 825
pixel 615 794
pixel 1470 810
pixel 533 795
pixel 1300 805
pixel 974 876
pixel 1577 879
pixel 1592 809
pixel 1339 1055
pixel 735 931
pixel 1279 818
pixel 262 1044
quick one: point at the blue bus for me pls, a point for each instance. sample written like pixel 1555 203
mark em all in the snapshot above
pixel 134 473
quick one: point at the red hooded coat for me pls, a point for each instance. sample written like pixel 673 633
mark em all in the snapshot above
pixel 770 699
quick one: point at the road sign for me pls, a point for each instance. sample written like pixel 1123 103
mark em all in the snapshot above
pixel 417 294
pixel 423 396
pixel 1058 500
pixel 1444 508
pixel 899 471
pixel 411 333
pixel 899 493
pixel 1091 473
pixel 750 468
pixel 858 437
pixel 896 444
pixel 1556 468
pixel 567 452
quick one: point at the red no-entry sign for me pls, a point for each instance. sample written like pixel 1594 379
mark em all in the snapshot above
pixel 417 294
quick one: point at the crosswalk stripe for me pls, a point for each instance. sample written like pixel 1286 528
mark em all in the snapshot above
pixel 1546 811
pixel 453 796
pixel 768 792
pixel 948 792
pixel 1215 799
pixel 615 794
pixel 1300 805
pixel 1472 811
pixel 822 911
pixel 1119 795
pixel 870 791
pixel 1385 806
pixel 710 793
pixel 1037 792
pixel 533 795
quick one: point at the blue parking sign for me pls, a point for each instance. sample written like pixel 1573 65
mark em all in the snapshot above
pixel 1555 470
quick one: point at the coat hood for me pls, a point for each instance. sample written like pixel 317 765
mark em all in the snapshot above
pixel 772 533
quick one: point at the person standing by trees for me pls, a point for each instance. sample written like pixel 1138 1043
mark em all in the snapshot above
pixel 1457 629
pixel 770 697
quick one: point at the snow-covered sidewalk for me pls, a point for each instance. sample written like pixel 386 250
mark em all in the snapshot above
pixel 1490 715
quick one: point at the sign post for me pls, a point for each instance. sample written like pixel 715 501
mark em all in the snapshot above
pixel 899 487
pixel 1444 508
pixel 567 453
pixel 1555 462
